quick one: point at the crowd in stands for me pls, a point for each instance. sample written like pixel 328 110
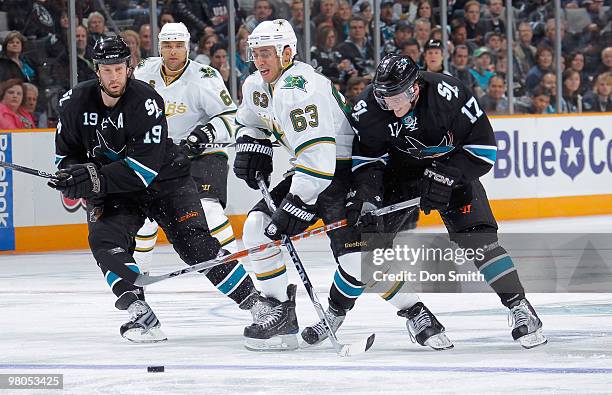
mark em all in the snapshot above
pixel 34 58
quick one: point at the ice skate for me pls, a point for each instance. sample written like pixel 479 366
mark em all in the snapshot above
pixel 525 324
pixel 424 328
pixel 275 324
pixel 143 327
pixel 315 334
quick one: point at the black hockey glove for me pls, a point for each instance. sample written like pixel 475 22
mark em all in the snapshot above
pixel 253 157
pixel 80 181
pixel 437 185
pixel 198 138
pixel 290 218
pixel 357 214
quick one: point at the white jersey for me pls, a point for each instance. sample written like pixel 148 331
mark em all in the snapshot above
pixel 306 114
pixel 197 97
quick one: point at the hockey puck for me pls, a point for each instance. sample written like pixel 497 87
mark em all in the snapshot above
pixel 155 369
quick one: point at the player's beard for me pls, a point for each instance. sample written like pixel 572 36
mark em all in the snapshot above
pixel 114 95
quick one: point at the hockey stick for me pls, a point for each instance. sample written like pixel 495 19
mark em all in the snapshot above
pixel 144 279
pixel 28 170
pixel 344 350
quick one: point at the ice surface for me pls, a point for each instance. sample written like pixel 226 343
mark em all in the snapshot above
pixel 57 316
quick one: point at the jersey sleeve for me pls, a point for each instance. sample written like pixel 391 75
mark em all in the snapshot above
pixel 69 149
pixel 247 121
pixel 370 153
pixel 145 149
pixel 309 118
pixel 476 149
pixel 216 101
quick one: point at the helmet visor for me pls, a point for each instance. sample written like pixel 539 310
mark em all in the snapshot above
pixel 389 103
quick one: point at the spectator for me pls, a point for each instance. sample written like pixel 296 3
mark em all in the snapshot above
pixel 327 10
pixel 297 22
pixel 132 39
pixel 480 71
pixel 85 67
pixel 575 61
pixel 204 46
pixel 12 62
pixel 493 41
pixel 165 17
pixel 12 115
pixel 459 35
pixel 30 100
pixel 598 99
pixel 606 61
pixel 342 19
pixel 218 61
pixel 493 17
pixel 544 61
pixel 412 49
pixel 263 12
pixel 425 11
pixel 387 23
pixel 354 87
pixel 524 51
pixel 242 61
pixel 407 10
pixel 357 48
pixel 593 8
pixel 571 91
pixel 146 49
pixel 193 14
pixel 540 101
pixel 433 57
pixel 324 56
pixel 459 68
pixel 403 32
pixel 422 31
pixel 216 15
pixel 475 29
pixel 364 10
pixel 96 28
pixel 495 102
pixel 567 42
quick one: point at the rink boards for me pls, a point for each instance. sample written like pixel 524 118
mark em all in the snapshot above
pixel 547 166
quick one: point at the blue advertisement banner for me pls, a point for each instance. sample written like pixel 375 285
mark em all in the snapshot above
pixel 7 228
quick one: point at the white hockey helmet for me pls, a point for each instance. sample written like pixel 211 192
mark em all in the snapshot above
pixel 174 32
pixel 277 33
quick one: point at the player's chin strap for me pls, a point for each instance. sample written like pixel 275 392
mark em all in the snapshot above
pixel 144 279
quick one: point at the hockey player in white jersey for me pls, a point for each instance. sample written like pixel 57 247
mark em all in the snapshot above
pixel 289 101
pixel 200 112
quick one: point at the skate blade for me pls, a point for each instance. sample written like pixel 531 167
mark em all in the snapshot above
pixel 275 343
pixel 439 342
pixel 153 335
pixel 533 339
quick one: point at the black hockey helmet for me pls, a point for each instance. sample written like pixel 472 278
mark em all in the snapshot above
pixel 110 50
pixel 395 74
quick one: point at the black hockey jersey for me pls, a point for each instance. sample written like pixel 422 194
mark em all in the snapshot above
pixel 129 143
pixel 447 125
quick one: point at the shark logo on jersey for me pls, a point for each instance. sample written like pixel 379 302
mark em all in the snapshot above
pixel 415 148
pixel 295 81
pixel 103 150
pixel 207 72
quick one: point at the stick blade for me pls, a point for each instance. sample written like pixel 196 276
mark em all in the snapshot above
pixel 349 350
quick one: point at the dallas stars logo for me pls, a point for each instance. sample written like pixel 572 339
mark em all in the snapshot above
pixel 207 72
pixel 295 81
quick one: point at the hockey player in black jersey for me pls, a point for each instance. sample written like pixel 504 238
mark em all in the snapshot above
pixel 422 134
pixel 112 148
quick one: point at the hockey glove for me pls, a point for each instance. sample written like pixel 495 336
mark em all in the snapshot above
pixel 292 217
pixel 253 157
pixel 80 181
pixel 198 138
pixel 437 185
pixel 358 214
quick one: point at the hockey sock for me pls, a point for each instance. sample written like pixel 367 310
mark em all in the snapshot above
pixel 118 285
pixel 499 272
pixel 145 242
pixel 400 296
pixel 232 280
pixel 347 286
pixel 268 266
pixel 220 227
